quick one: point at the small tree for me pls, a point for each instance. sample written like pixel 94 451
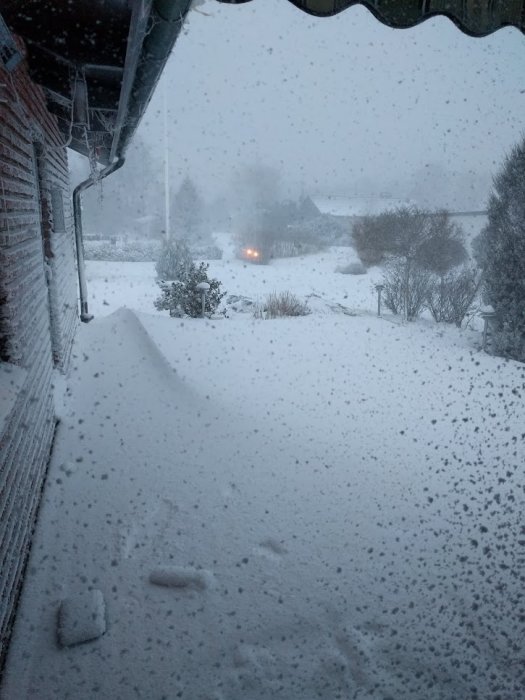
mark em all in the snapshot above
pixel 174 261
pixel 182 297
pixel 501 253
pixel 188 211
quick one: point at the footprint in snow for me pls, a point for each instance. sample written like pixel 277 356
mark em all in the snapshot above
pixel 146 534
pixel 230 490
pixel 255 666
pixel 271 548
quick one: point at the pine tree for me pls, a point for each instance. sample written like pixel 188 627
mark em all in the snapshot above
pixel 188 211
pixel 501 253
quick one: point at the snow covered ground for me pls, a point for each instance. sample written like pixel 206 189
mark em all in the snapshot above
pixel 319 507
pixel 112 285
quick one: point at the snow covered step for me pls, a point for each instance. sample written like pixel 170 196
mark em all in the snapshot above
pixel 81 618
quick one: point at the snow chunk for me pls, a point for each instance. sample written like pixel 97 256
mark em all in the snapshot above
pixel 180 577
pixel 81 618
pixel 68 468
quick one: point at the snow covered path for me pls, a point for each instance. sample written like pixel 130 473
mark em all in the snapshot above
pixel 348 494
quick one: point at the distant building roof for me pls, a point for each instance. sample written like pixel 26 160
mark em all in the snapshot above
pixel 357 206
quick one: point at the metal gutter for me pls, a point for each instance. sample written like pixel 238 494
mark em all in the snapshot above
pixel 165 23
pixel 138 27
pixel 85 316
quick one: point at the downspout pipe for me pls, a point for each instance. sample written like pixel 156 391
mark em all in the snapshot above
pixel 85 316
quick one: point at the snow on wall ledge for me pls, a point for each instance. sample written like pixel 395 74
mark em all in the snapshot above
pixel 37 314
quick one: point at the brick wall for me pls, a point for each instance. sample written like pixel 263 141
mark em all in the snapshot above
pixel 38 312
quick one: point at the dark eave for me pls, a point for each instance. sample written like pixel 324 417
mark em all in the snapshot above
pixel 98 62
pixel 474 17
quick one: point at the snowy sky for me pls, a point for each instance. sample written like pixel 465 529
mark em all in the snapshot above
pixel 339 105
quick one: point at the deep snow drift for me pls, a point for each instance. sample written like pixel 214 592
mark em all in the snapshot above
pixel 322 507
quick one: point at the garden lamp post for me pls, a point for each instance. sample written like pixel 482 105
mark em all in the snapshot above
pixel 489 318
pixel 379 289
pixel 203 287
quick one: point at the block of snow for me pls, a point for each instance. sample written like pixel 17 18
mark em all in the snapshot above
pixel 81 618
pixel 180 577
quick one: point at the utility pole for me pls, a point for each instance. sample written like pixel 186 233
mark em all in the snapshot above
pixel 167 225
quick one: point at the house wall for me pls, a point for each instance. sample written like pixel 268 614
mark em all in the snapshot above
pixel 38 313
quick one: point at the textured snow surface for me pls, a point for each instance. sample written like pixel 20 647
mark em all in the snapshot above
pixel 81 618
pixel 354 488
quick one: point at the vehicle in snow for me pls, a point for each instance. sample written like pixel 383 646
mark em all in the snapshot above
pixel 252 254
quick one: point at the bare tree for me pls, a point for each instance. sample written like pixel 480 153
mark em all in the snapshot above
pixel 407 285
pixel 451 296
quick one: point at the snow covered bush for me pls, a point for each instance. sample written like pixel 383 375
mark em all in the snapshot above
pixel 444 248
pixel 240 303
pixel 181 297
pixel 500 251
pixel 372 238
pixel 281 304
pixel 293 249
pixel 451 296
pixel 133 251
pixel 206 252
pixel 174 261
pixel 353 268
pixel 429 237
pixel 420 244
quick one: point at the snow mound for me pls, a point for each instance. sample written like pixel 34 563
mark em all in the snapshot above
pixel 135 355
pixel 127 325
pixel 240 303
pixel 319 305
pixel 180 577
pixel 81 618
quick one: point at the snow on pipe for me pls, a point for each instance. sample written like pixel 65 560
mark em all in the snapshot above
pixel 85 316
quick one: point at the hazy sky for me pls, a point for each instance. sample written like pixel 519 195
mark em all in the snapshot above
pixel 338 105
